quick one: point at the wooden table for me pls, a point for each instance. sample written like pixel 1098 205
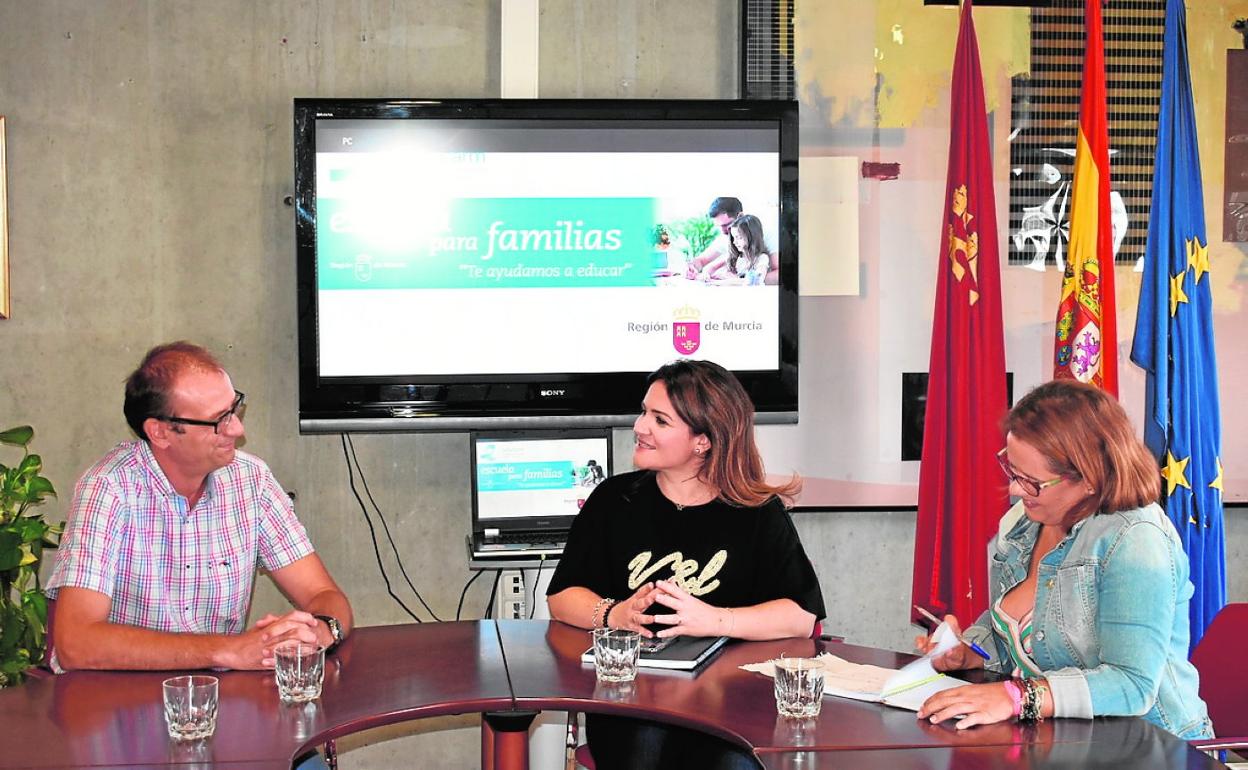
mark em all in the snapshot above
pixel 739 706
pixel 380 676
pixel 509 670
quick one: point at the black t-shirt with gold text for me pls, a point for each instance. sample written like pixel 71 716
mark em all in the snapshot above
pixel 628 534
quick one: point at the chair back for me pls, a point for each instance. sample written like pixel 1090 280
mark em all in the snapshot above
pixel 1223 677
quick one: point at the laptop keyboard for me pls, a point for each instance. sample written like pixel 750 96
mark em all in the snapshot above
pixel 523 537
pixel 510 541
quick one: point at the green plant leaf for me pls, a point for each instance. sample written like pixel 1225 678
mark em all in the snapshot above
pixel 19 436
pixel 699 232
pixel 37 603
pixel 25 578
pixel 30 530
pixel 10 550
pixel 23 536
pixel 12 624
pixel 39 488
pixel 8 484
pixel 31 464
pixel 18 664
pixel 34 628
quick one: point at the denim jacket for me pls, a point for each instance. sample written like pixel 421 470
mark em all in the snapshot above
pixel 1110 626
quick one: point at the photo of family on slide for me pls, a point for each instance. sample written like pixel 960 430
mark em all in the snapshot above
pixel 726 247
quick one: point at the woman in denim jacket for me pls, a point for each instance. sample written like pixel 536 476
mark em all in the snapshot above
pixel 1089 581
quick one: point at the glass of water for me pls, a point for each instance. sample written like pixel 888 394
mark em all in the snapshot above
pixel 799 687
pixel 190 707
pixel 299 668
pixel 615 654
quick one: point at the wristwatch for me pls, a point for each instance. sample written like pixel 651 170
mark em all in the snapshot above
pixel 335 630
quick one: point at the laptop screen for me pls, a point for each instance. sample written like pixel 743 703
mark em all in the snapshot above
pixel 535 479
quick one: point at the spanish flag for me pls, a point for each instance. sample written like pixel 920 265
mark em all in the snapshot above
pixel 960 497
pixel 1086 346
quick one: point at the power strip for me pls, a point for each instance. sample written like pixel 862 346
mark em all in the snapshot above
pixel 511 599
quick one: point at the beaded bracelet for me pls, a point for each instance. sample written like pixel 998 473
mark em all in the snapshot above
pixel 593 615
pixel 606 613
pixel 1026 712
pixel 1033 700
pixel 1016 696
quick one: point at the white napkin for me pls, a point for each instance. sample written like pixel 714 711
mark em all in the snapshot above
pixel 945 640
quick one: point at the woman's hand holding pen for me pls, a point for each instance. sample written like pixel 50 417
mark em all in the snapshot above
pixel 958 658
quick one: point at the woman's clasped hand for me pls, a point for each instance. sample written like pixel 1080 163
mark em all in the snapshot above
pixel 631 614
pixel 689 616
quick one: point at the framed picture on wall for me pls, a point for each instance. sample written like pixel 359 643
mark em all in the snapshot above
pixel 4 231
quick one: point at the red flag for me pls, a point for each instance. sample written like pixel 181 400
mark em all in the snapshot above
pixel 1086 344
pixel 962 493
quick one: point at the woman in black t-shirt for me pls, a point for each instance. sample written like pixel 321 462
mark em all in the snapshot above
pixel 696 542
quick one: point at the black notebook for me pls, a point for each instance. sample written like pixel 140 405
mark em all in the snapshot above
pixel 685 653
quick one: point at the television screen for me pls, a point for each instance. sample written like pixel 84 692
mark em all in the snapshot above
pixel 466 263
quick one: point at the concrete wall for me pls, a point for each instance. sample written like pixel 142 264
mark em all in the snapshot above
pixel 149 150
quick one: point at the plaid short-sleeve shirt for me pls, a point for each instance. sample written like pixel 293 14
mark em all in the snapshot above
pixel 130 536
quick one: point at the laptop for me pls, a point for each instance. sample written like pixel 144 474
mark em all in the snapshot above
pixel 528 486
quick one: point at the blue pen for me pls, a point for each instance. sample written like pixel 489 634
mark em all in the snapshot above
pixel 974 647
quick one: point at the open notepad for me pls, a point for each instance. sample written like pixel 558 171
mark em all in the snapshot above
pixel 907 687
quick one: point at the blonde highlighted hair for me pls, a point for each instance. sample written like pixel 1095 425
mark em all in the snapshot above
pixel 710 400
pixel 1085 434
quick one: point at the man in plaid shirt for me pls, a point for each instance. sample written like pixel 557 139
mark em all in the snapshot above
pixel 164 536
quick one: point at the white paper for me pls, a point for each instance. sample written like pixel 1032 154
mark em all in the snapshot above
pixel 907 687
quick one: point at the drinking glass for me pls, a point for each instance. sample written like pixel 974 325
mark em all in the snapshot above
pixel 299 669
pixel 615 654
pixel 190 706
pixel 799 687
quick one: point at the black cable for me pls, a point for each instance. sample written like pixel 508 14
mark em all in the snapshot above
pixel 536 580
pixel 489 607
pixel 459 607
pixel 397 558
pixel 372 532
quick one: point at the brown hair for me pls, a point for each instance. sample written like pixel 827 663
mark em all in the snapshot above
pixel 711 401
pixel 752 228
pixel 148 388
pixel 1085 434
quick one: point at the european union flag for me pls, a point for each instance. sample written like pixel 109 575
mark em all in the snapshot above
pixel 1174 336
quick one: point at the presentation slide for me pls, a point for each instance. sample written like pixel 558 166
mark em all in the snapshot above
pixel 445 261
pixel 537 477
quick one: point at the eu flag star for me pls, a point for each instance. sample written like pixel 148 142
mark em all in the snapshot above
pixel 1217 481
pixel 1177 294
pixel 1175 473
pixel 1197 258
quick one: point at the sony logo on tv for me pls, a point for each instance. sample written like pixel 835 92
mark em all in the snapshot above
pixel 552 392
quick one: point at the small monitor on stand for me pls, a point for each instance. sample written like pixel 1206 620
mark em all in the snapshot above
pixel 528 487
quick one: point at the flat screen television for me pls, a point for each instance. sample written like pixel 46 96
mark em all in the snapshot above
pixel 477 264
